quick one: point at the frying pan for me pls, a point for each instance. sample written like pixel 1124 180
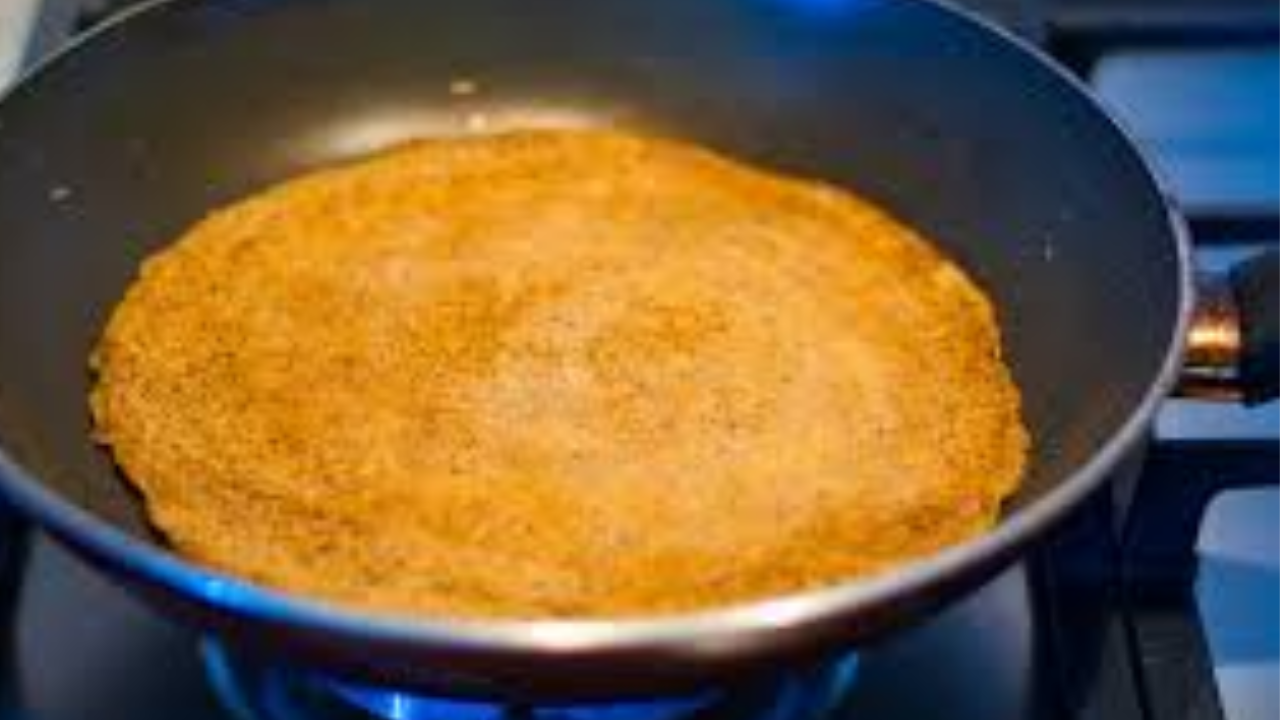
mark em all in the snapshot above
pixel 111 148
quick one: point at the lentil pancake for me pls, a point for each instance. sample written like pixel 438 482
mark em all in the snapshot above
pixel 556 374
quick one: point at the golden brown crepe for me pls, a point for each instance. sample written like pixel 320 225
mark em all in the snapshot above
pixel 556 373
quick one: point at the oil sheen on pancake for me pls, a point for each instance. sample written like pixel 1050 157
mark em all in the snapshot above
pixel 545 374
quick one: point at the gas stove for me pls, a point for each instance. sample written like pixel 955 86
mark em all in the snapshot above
pixel 1157 602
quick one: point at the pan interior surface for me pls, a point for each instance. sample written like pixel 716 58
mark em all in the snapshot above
pixel 114 148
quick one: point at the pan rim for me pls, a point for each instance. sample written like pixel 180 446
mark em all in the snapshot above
pixel 695 630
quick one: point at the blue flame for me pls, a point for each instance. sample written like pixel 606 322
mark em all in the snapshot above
pixel 261 691
pixel 822 7
pixel 404 706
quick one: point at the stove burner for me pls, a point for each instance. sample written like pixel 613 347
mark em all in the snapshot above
pixel 402 706
pixel 253 690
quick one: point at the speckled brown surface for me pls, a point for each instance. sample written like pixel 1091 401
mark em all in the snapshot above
pixel 564 374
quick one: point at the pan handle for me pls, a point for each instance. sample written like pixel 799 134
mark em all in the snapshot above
pixel 1233 351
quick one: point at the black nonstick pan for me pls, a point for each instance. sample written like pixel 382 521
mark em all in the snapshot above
pixel 111 148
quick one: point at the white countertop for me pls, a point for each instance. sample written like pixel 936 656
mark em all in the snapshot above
pixel 16 19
